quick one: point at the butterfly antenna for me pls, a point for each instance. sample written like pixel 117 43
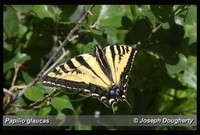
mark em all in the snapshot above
pixel 128 103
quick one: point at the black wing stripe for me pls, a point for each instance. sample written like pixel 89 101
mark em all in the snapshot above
pixel 118 49
pixel 123 50
pixel 81 60
pixel 56 71
pixel 64 84
pixel 62 67
pixel 103 63
pixel 113 53
pixel 70 64
pixel 119 52
pixel 127 50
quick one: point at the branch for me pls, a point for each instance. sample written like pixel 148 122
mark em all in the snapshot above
pixel 155 30
pixel 40 74
pixel 8 93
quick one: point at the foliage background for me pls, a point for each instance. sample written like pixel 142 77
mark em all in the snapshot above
pixel 163 79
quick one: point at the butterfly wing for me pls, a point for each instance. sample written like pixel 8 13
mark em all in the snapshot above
pixel 120 60
pixel 82 72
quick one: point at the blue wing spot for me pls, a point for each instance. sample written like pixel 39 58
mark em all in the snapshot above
pixel 112 92
pixel 118 90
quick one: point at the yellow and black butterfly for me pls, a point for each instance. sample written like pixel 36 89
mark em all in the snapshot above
pixel 102 74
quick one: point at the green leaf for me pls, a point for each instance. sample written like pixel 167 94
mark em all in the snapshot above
pixel 182 105
pixel 126 23
pixel 22 102
pixel 43 11
pixel 44 111
pixel 108 11
pixel 30 112
pixel 111 16
pixel 8 75
pixel 168 43
pixel 20 58
pixel 10 23
pixel 23 8
pixel 93 31
pixel 189 77
pixel 100 40
pixel 163 13
pixel 7 46
pixel 22 31
pixel 114 21
pixel 60 103
pixel 96 32
pixel 181 94
pixel 48 90
pixel 180 66
pixel 4 36
pixel 29 35
pixel 34 93
pixel 191 32
pixel 165 26
pixel 27 77
pixel 95 13
pixel 67 11
pixel 139 32
pixel 191 16
pixel 89 47
pixel 146 12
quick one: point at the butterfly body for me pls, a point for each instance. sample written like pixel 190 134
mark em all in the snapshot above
pixel 102 74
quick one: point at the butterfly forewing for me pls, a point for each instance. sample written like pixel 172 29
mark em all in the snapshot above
pixel 77 73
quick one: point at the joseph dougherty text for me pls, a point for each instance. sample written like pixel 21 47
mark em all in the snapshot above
pixel 174 121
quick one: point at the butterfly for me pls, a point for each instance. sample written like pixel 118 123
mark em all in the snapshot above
pixel 102 74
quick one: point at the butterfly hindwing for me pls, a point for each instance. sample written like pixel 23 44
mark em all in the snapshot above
pixel 120 60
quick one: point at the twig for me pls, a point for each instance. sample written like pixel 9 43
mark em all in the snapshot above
pixel 94 24
pixel 74 37
pixel 40 74
pixel 8 92
pixel 156 29
pixel 15 74
pixel 7 98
